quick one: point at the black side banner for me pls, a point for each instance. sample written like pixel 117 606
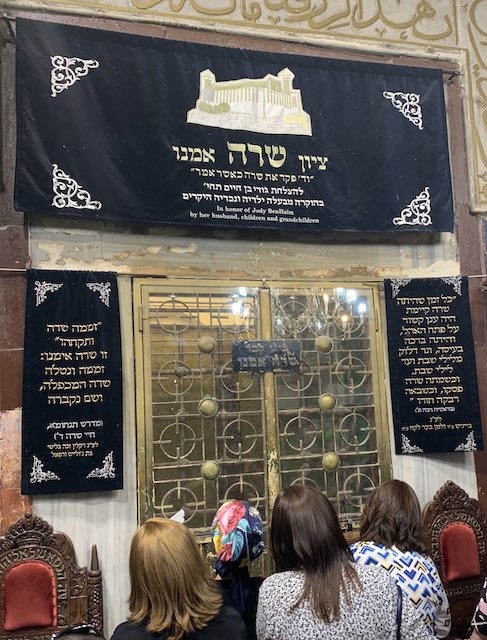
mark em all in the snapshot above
pixel 435 400
pixel 122 127
pixel 72 394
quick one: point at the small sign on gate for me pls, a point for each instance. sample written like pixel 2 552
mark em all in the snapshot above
pixel 259 356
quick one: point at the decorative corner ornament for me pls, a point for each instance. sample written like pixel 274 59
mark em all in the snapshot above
pixel 407 447
pixel 66 71
pixel 106 471
pixel 469 444
pixel 43 288
pixel 38 474
pixel 408 104
pixel 397 283
pixel 68 193
pixel 417 212
pixel 103 289
pixel 456 283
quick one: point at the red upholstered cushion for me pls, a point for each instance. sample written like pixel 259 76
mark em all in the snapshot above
pixel 459 552
pixel 29 590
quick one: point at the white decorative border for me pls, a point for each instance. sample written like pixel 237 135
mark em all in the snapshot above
pixel 407 104
pixel 106 471
pixel 42 289
pixel 456 282
pixel 103 288
pixel 68 193
pixel 469 444
pixel 66 71
pixel 407 447
pixel 38 474
pixel 397 283
pixel 417 212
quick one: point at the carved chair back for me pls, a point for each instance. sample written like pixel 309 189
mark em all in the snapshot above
pixel 42 588
pixel 456 539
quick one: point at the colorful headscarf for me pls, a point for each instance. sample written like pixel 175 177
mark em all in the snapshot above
pixel 237 535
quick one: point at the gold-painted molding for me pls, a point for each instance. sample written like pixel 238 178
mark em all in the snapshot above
pixel 442 30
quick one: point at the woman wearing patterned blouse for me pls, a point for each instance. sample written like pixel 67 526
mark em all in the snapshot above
pixel 391 538
pixel 479 622
pixel 319 592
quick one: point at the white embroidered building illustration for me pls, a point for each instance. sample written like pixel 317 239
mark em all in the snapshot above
pixel 264 105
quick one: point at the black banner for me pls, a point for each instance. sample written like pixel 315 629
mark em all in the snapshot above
pixel 432 364
pixel 123 127
pixel 72 394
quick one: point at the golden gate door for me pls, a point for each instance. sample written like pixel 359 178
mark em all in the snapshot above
pixel 207 434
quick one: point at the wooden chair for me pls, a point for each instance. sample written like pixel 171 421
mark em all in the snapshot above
pixel 456 539
pixel 78 632
pixel 43 590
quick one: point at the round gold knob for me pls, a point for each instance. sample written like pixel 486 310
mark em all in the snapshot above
pixel 208 407
pixel 210 470
pixel 206 344
pixel 324 344
pixel 327 402
pixel 330 461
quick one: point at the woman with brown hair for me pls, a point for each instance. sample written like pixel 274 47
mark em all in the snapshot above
pixel 318 592
pixel 391 537
pixel 173 594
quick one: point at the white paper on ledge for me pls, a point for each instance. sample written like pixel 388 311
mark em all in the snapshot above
pixel 178 516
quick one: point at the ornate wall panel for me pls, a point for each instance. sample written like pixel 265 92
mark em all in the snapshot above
pixel 396 20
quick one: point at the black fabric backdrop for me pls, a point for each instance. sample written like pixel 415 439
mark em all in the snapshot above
pixel 432 366
pixel 119 132
pixel 72 392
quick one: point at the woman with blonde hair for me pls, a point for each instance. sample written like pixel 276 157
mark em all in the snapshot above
pixel 173 594
pixel 318 592
pixel 392 538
